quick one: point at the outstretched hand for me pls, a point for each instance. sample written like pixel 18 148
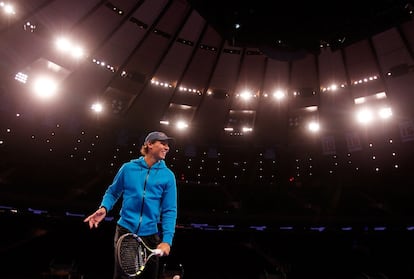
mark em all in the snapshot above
pixel 95 218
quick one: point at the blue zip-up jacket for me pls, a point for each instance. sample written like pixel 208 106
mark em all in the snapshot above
pixel 150 190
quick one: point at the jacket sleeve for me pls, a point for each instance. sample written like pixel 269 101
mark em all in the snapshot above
pixel 114 191
pixel 169 211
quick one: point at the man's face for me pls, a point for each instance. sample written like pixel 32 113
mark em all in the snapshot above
pixel 159 149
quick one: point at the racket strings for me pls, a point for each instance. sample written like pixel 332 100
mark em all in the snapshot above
pixel 131 255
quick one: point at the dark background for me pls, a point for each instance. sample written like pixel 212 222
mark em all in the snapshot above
pixel 274 203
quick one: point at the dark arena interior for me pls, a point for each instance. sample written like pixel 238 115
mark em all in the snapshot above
pixel 293 127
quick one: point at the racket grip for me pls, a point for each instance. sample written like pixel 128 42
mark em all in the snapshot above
pixel 158 252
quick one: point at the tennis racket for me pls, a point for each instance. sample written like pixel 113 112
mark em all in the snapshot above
pixel 133 254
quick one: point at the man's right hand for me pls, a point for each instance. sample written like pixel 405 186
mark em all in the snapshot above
pixel 95 218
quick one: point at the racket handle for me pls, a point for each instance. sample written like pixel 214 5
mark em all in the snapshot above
pixel 158 252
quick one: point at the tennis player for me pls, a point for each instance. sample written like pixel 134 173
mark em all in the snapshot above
pixel 149 198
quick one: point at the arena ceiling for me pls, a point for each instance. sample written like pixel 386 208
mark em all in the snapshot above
pixel 300 25
pixel 243 154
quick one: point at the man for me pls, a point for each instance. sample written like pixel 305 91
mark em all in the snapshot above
pixel 149 197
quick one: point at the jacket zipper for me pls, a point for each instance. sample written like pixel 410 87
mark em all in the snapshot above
pixel 143 198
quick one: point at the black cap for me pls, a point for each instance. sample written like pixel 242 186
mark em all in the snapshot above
pixel 154 136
